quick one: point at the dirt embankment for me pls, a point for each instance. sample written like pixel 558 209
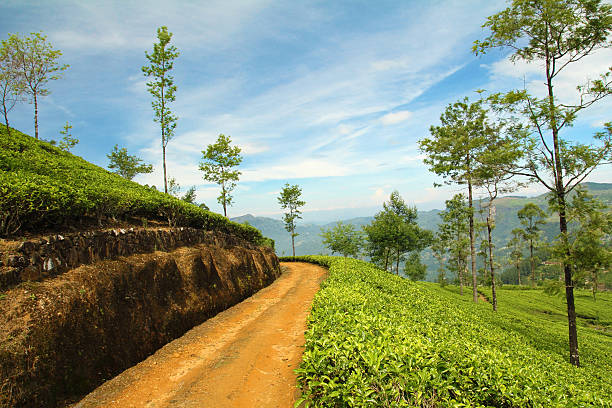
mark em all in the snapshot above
pixel 242 358
pixel 62 337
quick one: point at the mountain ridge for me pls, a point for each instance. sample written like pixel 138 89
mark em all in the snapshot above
pixel 309 241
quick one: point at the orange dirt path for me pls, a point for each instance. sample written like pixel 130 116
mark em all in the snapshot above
pixel 243 357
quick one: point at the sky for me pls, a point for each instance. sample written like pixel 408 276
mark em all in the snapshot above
pixel 330 95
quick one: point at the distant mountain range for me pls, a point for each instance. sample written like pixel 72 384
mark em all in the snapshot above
pixel 309 240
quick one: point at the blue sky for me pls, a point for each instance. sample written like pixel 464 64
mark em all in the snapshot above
pixel 332 96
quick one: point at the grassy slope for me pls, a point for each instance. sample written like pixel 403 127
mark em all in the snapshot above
pixel 378 340
pixel 544 318
pixel 42 187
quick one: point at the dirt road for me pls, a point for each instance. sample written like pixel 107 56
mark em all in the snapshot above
pixel 243 357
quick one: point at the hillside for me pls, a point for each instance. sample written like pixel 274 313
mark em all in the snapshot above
pixel 375 339
pixel 43 188
pixel 310 242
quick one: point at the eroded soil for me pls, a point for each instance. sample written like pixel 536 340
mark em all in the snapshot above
pixel 243 357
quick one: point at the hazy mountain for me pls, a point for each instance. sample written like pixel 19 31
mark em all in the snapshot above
pixel 309 240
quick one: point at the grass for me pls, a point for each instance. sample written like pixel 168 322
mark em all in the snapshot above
pixel 375 339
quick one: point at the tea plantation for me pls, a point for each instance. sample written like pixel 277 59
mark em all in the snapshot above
pixel 43 187
pixel 375 339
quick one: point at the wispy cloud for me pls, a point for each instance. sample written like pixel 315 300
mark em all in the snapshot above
pixel 395 117
pixel 331 95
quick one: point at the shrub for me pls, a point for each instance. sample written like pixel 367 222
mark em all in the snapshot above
pixel 42 186
pixel 375 339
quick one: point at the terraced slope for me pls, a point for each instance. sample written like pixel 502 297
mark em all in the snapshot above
pixel 45 188
pixel 378 340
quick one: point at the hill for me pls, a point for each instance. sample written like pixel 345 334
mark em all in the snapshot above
pixel 310 242
pixel 44 188
pixel 374 339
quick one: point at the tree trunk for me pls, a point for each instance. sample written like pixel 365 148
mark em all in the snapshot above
pixel 8 129
pixel 292 236
pixel 35 116
pixel 397 262
pixel 491 266
pixel 163 129
pixel 386 259
pixel 531 263
pixel 560 193
pixel 223 193
pixel 567 268
pixel 460 269
pixel 472 249
pixel 164 164
pixel 518 272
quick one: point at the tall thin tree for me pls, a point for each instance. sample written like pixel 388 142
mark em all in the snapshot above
pixel 454 232
pixel 289 199
pixel 555 34
pixel 12 85
pixel 453 152
pixel 162 88
pixel 38 63
pixel 532 218
pixel 515 245
pixel 502 152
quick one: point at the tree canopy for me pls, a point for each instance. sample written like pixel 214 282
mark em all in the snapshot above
pixel 12 85
pixel 344 239
pixel 218 164
pixel 37 63
pixel 394 232
pixel 126 165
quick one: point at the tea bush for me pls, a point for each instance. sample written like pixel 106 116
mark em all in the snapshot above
pixel 375 339
pixel 42 186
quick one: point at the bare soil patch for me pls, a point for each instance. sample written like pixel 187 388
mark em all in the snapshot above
pixel 243 357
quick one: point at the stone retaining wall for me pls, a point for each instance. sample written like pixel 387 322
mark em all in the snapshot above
pixel 35 260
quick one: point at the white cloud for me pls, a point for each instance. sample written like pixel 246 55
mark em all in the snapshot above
pixel 395 117
pixel 304 168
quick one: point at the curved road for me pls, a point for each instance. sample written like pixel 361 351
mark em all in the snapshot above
pixel 243 357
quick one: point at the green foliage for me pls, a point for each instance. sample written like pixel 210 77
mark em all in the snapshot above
pixel 12 86
pixel 414 269
pixel 587 244
pixel 554 34
pixel 289 199
pixel 376 340
pixel 453 236
pixel 189 196
pixel 67 142
pixel 531 218
pixel 393 232
pixel 515 244
pixel 344 239
pixel 127 166
pixel 455 147
pixel 539 315
pixel 162 88
pixel 38 64
pixel 218 161
pixel 42 186
pixel 459 151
